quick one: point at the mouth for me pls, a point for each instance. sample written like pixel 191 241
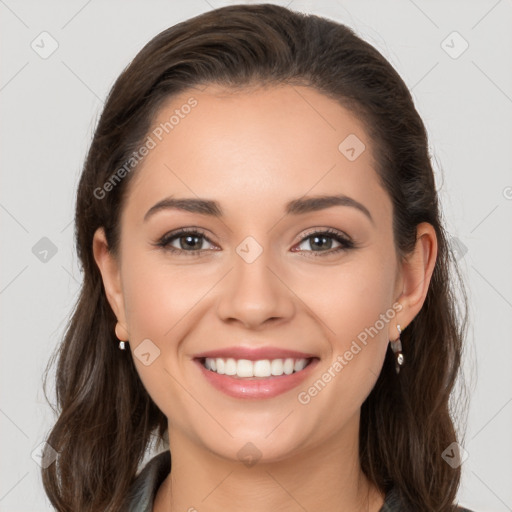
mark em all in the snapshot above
pixel 253 370
pixel 255 379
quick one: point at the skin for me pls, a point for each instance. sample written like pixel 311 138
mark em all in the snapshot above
pixel 253 150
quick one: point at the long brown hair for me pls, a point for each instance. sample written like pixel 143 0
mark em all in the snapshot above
pixel 106 419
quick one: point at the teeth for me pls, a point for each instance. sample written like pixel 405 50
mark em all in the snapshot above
pixel 230 367
pixel 244 368
pixel 276 367
pixel 261 368
pixel 299 365
pixel 288 366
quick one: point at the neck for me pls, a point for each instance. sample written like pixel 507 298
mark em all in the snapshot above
pixel 327 477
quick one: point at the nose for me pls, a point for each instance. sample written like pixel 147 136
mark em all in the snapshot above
pixel 255 293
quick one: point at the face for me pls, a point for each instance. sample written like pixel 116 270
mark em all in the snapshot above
pixel 264 275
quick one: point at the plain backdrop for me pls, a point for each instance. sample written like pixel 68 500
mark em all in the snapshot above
pixel 58 62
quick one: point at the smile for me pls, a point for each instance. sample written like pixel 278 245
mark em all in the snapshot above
pixel 245 368
pixel 255 379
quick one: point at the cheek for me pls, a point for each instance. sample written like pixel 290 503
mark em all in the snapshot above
pixel 159 295
pixel 350 298
pixel 356 309
pixel 363 299
pixel 160 299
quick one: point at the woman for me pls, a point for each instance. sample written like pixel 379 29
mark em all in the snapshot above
pixel 258 224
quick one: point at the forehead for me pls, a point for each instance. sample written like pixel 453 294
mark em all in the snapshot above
pixel 253 147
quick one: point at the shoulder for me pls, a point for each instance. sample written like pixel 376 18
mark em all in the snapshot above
pixel 395 502
pixel 142 493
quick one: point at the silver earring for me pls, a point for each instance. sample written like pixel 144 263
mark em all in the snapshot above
pixel 122 345
pixel 396 347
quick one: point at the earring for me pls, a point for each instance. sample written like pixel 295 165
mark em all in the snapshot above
pixel 122 344
pixel 396 347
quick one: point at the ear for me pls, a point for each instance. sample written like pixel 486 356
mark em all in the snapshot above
pixel 416 273
pixel 111 275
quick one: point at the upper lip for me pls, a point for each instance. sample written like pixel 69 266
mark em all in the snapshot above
pixel 254 353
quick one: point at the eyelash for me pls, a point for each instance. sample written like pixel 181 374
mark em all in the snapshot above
pixel 166 240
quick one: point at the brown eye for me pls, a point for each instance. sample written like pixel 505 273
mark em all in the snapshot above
pixel 184 241
pixel 193 242
pixel 321 243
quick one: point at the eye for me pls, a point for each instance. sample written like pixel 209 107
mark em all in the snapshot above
pixel 190 241
pixel 184 241
pixel 321 242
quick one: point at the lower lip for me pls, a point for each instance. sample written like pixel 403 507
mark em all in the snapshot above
pixel 257 387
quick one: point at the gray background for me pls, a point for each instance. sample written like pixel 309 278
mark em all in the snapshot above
pixel 49 109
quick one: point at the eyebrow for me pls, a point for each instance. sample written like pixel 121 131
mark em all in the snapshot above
pixel 294 207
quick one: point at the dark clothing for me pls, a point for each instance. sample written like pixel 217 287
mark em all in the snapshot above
pixel 143 491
